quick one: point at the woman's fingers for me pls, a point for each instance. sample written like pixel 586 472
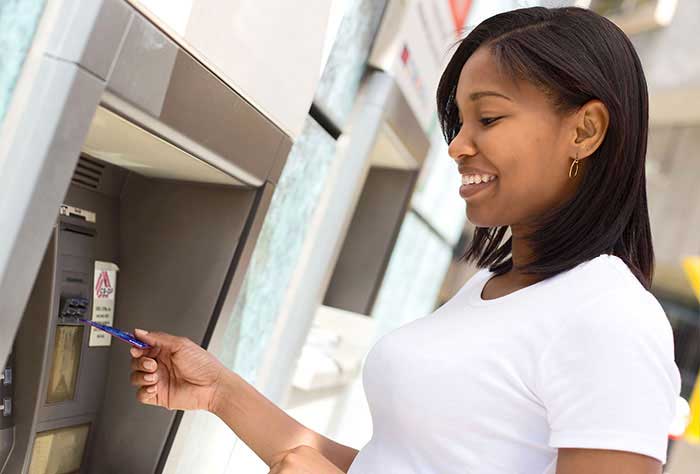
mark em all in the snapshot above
pixel 159 342
pixel 147 395
pixel 136 352
pixel 139 379
pixel 144 364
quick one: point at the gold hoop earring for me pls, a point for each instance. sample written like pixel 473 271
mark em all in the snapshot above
pixel 572 167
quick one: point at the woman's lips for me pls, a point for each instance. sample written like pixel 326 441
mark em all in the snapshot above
pixel 469 190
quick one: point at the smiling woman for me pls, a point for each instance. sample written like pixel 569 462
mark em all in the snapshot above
pixel 546 114
pixel 536 95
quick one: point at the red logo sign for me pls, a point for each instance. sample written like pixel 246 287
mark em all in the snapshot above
pixel 460 10
pixel 103 288
pixel 405 55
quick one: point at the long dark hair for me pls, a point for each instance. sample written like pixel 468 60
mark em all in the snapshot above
pixel 573 55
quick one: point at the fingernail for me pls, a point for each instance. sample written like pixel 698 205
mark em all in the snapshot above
pixel 150 364
pixel 142 331
pixel 149 377
pixel 151 389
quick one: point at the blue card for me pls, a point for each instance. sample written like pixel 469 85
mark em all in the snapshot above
pixel 119 334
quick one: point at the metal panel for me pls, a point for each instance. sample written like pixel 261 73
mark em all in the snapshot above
pixel 178 99
pixel 31 353
pixel 91 383
pixel 187 426
pixel 118 141
pixel 282 153
pixel 370 240
pixel 404 123
pixel 143 69
pixel 88 29
pixel 382 205
pixel 36 173
pixel 172 288
pixel 212 114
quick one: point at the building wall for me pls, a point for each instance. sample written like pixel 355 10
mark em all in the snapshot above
pixel 669 55
pixel 673 171
pixel 18 22
pixel 672 69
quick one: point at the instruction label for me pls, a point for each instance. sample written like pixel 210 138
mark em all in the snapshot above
pixel 103 298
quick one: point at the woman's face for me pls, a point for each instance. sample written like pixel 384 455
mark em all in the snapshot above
pixel 516 136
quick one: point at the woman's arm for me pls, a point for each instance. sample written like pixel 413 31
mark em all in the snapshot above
pixel 266 428
pixel 605 461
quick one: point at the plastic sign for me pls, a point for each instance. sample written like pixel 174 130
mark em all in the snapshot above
pixel 103 297
pixel 460 10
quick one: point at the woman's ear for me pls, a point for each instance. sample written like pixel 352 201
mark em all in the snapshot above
pixel 591 123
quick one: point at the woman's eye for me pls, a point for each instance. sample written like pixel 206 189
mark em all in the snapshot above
pixel 486 121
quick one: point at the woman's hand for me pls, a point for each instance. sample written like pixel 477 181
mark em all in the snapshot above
pixel 175 373
pixel 302 460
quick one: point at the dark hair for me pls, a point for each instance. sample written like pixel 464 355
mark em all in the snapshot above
pixel 573 55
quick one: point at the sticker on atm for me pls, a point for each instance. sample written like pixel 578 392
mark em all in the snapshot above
pixel 118 333
pixel 103 299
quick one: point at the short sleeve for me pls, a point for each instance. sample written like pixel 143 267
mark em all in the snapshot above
pixel 608 379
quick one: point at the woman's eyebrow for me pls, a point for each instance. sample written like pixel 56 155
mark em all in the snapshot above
pixel 478 95
pixel 474 96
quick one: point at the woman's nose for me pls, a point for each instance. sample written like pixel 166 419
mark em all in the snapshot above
pixel 461 146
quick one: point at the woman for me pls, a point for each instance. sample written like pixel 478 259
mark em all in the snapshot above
pixel 556 359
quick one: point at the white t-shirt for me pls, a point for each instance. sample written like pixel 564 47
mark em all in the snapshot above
pixel 584 359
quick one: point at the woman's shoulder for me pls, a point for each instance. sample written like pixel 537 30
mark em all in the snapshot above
pixel 607 277
pixel 611 298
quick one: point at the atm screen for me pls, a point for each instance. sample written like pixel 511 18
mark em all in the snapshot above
pixel 64 366
pixel 59 451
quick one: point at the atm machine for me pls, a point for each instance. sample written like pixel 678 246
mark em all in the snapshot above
pixel 166 200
